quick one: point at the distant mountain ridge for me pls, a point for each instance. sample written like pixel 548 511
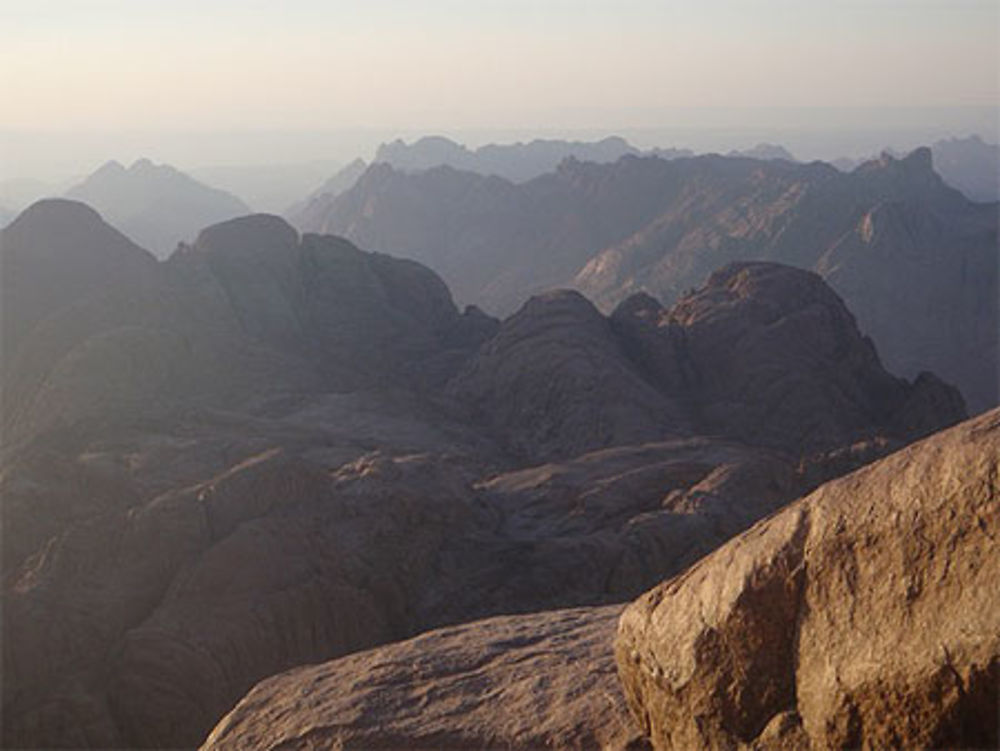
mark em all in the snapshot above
pixel 515 161
pixel 157 206
pixel 914 259
pixel 968 164
pixel 270 188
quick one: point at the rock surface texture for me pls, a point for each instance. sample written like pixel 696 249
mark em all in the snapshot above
pixel 520 683
pixel 864 615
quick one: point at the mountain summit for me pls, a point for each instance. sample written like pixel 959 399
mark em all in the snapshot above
pixel 158 206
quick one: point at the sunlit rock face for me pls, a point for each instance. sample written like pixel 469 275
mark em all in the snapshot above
pixel 862 616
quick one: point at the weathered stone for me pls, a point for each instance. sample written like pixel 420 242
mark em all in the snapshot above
pixel 868 609
pixel 517 682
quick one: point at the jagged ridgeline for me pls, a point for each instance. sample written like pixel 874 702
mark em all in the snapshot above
pixel 914 259
pixel 274 449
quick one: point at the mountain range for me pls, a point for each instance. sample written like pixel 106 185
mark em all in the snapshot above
pixel 275 449
pixel 157 206
pixel 516 162
pixel 660 226
pixel 969 164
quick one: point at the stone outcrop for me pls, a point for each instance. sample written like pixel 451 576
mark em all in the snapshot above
pixel 544 680
pixel 864 615
pixel 555 381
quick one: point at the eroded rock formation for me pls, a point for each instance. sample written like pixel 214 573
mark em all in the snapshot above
pixel 864 615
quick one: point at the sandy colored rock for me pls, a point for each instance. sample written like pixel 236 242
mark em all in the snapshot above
pixel 520 683
pixel 864 615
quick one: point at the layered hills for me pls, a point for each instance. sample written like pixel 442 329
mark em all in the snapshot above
pixel 266 187
pixel 274 449
pixel 156 205
pixel 515 161
pixel 970 164
pixel 648 224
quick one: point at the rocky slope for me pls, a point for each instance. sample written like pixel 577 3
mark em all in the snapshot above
pixel 708 660
pixel 646 224
pixel 250 311
pixel 278 450
pixel 332 187
pixel 970 165
pixel 157 206
pixel 58 253
pixel 864 615
pixel 763 353
pixel 526 682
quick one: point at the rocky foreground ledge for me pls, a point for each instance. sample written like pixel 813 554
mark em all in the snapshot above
pixel 864 615
pixel 544 680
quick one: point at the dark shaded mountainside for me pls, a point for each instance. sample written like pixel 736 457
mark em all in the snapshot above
pixel 516 162
pixel 272 450
pixel 970 165
pixel 915 260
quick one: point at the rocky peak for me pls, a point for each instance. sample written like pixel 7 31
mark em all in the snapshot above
pixel 56 254
pixel 55 216
pixel 753 292
pixel 763 353
pixel 897 178
pixel 109 168
pixel 920 160
pixel 554 382
pixel 562 307
pixel 641 305
pixel 253 234
pixel 62 231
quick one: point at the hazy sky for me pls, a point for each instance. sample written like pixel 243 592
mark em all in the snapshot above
pixel 248 65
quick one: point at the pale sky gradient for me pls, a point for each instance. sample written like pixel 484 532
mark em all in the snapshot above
pixel 437 65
